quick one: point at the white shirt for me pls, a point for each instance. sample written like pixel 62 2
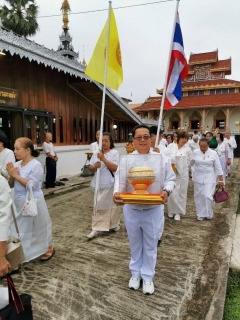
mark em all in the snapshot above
pixel 5 208
pixel 33 172
pixel 164 150
pixel 48 148
pixel 194 145
pixel 185 150
pixel 106 178
pixel 207 166
pixel 94 146
pixel 223 150
pixel 6 156
pixel 164 175
pixel 233 144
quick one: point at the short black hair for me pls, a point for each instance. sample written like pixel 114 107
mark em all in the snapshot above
pixel 3 138
pixel 221 136
pixel 153 130
pixel 204 140
pixel 139 126
pixel 210 133
pixel 110 138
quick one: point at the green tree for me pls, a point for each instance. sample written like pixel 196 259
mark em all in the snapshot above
pixel 20 16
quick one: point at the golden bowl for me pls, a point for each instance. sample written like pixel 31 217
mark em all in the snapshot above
pixel 129 149
pixel 141 178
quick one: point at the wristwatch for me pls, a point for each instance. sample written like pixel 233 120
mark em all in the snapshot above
pixel 168 191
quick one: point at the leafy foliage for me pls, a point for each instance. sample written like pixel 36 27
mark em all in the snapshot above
pixel 20 16
pixel 232 305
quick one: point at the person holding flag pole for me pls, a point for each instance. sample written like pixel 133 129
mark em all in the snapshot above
pixel 105 67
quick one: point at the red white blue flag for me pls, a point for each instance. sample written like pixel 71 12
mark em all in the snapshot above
pixel 178 69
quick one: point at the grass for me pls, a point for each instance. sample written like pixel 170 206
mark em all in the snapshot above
pixel 232 303
pixel 238 209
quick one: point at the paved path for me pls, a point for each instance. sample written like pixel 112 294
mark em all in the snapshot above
pixel 89 279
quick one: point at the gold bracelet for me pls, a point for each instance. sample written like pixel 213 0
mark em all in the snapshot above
pixel 106 161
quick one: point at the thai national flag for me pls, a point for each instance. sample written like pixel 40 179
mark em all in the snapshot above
pixel 178 69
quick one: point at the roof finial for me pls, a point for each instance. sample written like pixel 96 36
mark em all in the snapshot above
pixel 84 61
pixel 65 9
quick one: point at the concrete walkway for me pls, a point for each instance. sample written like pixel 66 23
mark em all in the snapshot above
pixel 89 279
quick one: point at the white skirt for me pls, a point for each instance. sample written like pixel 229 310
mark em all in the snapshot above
pixel 177 200
pixel 203 197
pixel 35 232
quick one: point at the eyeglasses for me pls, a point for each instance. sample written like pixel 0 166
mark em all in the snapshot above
pixel 145 138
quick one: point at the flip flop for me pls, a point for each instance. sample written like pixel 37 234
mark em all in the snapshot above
pixel 49 254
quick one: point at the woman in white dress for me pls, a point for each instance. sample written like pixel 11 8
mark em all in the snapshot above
pixel 207 167
pixel 181 155
pixel 224 153
pixel 35 232
pixel 6 155
pixel 107 215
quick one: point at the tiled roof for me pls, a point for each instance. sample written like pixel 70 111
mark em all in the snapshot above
pixel 206 57
pixel 209 101
pixel 221 65
pixel 210 84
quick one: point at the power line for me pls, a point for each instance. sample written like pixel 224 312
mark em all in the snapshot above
pixel 90 11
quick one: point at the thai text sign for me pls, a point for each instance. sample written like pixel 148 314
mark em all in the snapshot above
pixel 8 97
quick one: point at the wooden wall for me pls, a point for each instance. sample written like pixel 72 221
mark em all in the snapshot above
pixel 44 89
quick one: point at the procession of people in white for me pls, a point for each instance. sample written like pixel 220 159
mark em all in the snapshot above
pixel 145 223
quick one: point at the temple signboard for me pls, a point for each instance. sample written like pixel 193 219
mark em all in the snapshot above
pixel 8 97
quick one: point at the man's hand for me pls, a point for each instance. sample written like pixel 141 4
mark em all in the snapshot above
pixel 156 150
pixel 164 196
pixel 117 198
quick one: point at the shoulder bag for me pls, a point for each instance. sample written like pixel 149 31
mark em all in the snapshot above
pixel 220 196
pixel 14 251
pixel 19 306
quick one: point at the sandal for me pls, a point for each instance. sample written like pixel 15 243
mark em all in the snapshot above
pixel 48 255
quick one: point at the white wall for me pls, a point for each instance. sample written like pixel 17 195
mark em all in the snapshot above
pixel 72 158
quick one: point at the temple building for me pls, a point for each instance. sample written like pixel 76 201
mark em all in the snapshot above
pixel 209 101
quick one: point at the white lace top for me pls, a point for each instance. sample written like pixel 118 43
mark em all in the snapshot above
pixel 106 178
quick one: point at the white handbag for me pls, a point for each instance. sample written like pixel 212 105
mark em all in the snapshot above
pixel 30 206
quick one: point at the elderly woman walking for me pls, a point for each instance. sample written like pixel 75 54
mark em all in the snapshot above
pixel 107 215
pixel 26 174
pixel 181 155
pixel 207 168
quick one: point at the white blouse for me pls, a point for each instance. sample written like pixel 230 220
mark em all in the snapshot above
pixel 6 156
pixel 106 178
pixel 207 166
pixel 185 150
pixel 5 208
pixel 223 150
pixel 33 172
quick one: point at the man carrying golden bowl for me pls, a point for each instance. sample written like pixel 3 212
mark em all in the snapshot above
pixel 143 221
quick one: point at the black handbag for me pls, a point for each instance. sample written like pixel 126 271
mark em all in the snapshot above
pixel 19 307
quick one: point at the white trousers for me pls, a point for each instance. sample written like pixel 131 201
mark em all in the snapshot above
pixel 143 228
pixel 203 197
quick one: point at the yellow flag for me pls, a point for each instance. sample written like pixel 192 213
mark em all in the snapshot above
pixel 95 68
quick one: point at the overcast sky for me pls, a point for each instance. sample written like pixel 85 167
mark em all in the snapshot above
pixel 145 33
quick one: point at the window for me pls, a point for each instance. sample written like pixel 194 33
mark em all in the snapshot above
pixel 80 129
pixel 91 130
pixel 175 125
pixel 61 129
pixel 222 91
pixel 74 129
pixel 86 130
pixel 196 93
pixel 220 124
pixel 195 124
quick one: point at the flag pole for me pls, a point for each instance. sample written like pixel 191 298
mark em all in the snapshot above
pixel 103 106
pixel 166 76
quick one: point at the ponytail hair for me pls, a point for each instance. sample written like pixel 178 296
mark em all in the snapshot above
pixel 27 143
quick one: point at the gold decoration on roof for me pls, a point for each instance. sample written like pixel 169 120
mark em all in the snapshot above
pixel 65 9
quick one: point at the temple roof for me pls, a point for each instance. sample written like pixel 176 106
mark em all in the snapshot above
pixel 201 58
pixel 191 102
pixel 222 65
pixel 24 48
pixel 209 84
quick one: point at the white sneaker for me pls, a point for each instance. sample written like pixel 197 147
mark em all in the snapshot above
pixel 177 217
pixel 171 215
pixel 134 283
pixel 116 229
pixel 148 287
pixel 200 219
pixel 92 234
